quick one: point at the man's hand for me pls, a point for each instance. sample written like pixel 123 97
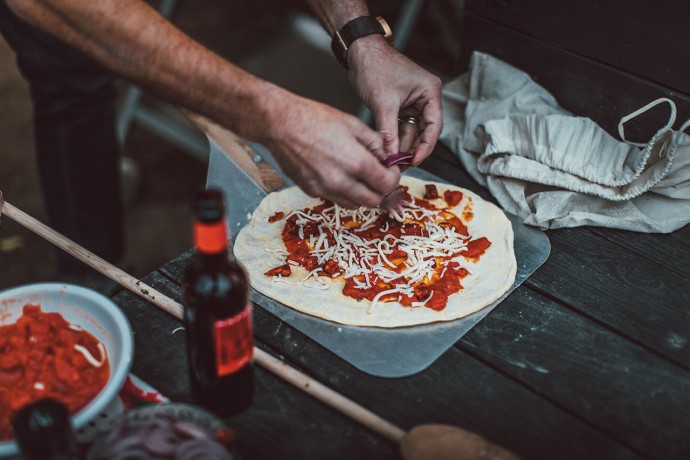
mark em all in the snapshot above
pixel 394 87
pixel 328 153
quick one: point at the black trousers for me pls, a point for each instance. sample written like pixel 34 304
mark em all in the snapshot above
pixel 76 145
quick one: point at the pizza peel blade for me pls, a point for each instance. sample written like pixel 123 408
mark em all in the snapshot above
pixel 245 186
pixel 351 343
pixel 246 172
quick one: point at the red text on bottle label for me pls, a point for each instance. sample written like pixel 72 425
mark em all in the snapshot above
pixel 234 342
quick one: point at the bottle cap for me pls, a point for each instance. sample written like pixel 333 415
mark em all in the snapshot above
pixel 210 234
pixel 43 431
pixel 208 205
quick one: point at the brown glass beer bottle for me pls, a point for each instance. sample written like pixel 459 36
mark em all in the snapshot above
pixel 43 431
pixel 217 315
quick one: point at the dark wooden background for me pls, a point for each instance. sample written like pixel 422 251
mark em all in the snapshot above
pixel 601 59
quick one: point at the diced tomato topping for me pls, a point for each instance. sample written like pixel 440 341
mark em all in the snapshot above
pixel 476 248
pixel 283 270
pixel 276 217
pixel 332 268
pixel 430 192
pixel 302 257
pixel 452 197
pixel 43 356
pixel 397 254
pixel 434 290
pixel 412 229
pixel 421 292
pixel 290 231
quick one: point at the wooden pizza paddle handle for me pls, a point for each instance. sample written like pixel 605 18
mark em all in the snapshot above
pixel 92 260
pixel 445 442
pixel 241 153
pixel 419 444
pixel 277 367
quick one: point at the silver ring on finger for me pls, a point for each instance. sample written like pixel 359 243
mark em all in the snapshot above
pixel 409 120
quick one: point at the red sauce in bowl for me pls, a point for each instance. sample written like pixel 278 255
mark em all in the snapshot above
pixel 43 355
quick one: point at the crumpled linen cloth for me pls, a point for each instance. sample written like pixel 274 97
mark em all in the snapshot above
pixel 554 169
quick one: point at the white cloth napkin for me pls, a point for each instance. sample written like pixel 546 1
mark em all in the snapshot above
pixel 554 169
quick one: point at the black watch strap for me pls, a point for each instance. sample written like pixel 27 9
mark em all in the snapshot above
pixel 357 28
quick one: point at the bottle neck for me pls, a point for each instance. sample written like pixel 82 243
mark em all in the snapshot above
pixel 210 238
pixel 43 431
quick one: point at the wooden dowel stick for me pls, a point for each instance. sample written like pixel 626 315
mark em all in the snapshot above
pixel 328 396
pixel 92 260
pixel 268 362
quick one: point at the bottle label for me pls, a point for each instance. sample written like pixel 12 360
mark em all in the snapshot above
pixel 210 238
pixel 234 342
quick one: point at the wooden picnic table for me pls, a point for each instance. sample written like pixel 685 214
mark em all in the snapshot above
pixel 588 359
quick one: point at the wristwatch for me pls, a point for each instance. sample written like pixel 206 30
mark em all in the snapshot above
pixel 357 28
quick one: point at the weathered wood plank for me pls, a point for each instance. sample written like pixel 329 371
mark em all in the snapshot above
pixel 174 269
pixel 282 422
pixel 582 86
pixel 683 234
pixel 457 390
pixel 286 423
pixel 668 250
pixel 159 344
pixel 634 395
pixel 475 397
pixel 644 38
pixel 637 297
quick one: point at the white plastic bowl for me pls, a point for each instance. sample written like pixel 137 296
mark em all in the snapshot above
pixel 90 310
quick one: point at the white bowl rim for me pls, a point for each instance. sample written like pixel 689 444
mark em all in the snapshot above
pixel 118 372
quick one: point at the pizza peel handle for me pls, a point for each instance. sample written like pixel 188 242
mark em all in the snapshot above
pixel 424 442
pixel 241 153
pixel 119 276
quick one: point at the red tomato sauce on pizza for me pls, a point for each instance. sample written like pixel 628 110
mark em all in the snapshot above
pixel 42 355
pixel 408 256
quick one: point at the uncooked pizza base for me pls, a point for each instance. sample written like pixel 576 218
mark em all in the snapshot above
pixel 259 244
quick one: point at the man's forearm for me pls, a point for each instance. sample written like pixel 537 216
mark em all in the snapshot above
pixel 334 14
pixel 133 40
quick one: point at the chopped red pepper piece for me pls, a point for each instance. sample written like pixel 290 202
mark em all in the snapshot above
pixel 283 270
pixel 452 197
pixel 430 192
pixel 276 217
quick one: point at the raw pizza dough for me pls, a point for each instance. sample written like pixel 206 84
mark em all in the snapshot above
pixel 257 243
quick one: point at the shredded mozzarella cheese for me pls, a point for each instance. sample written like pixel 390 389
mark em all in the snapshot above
pixel 89 357
pixel 369 259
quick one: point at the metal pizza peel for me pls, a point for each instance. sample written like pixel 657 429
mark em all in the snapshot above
pixel 247 172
